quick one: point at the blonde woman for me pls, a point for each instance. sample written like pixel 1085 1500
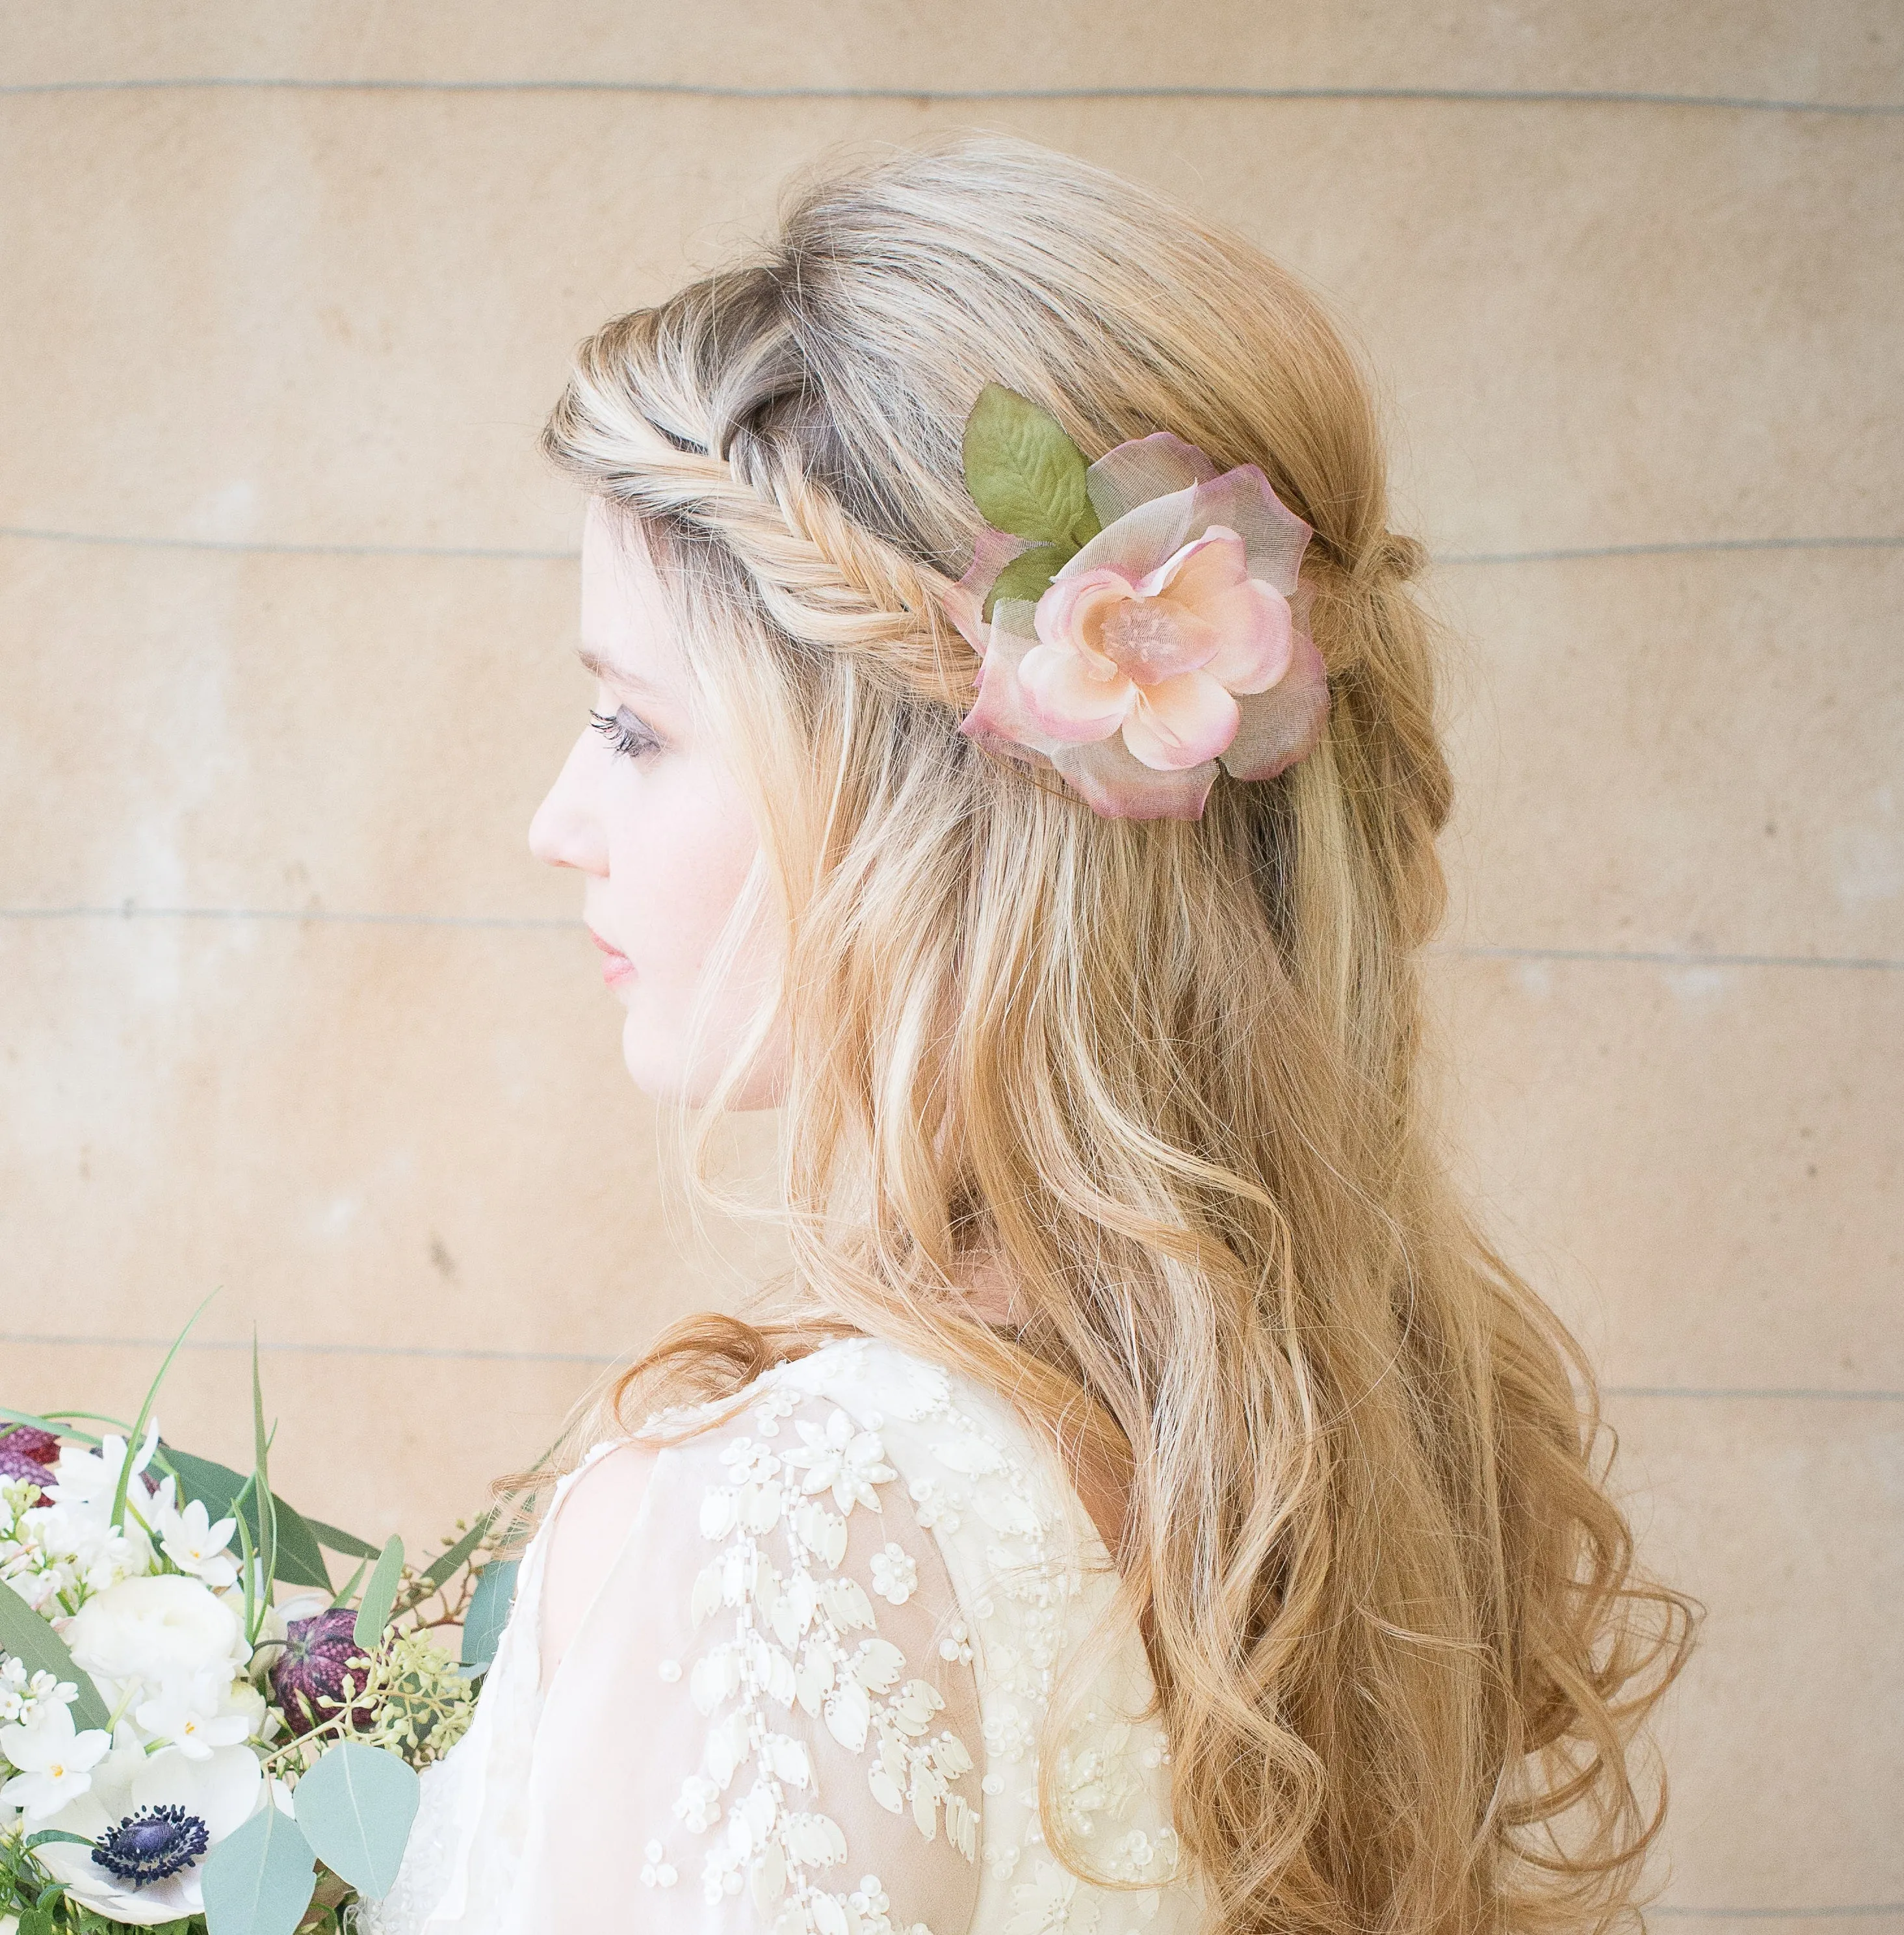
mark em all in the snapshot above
pixel 1153 1504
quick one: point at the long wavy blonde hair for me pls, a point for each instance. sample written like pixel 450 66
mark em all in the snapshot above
pixel 1163 1074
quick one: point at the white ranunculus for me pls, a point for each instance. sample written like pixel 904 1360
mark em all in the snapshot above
pixel 219 1792
pixel 158 1631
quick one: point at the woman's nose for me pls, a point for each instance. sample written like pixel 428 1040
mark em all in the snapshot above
pixel 566 830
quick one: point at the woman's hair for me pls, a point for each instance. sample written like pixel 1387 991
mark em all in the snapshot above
pixel 1164 1074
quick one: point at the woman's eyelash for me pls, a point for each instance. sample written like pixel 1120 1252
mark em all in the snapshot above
pixel 624 732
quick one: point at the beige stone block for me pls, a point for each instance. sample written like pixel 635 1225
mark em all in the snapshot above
pixel 1843 50
pixel 1785 1747
pixel 212 729
pixel 1680 754
pixel 336 318
pixel 373 1444
pixel 386 1135
pixel 1699 1165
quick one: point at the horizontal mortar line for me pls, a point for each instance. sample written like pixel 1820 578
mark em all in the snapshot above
pixel 1692 547
pixel 132 910
pixel 1835 1911
pixel 314 1350
pixel 432 1351
pixel 712 91
pixel 1662 957
pixel 286 550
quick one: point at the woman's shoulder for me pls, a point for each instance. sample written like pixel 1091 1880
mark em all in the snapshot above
pixel 858 1401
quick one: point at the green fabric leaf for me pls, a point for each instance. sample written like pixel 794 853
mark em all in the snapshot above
pixel 380 1596
pixel 1029 575
pixel 355 1807
pixel 489 1613
pixel 1023 472
pixel 260 1879
pixel 33 1642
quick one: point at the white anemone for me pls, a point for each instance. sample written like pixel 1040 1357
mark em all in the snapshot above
pixel 220 1791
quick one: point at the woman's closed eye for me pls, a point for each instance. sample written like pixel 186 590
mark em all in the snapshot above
pixel 625 734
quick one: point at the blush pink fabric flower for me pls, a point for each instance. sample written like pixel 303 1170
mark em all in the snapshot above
pixel 1172 641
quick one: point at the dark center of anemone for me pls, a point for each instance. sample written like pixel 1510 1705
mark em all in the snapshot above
pixel 151 1845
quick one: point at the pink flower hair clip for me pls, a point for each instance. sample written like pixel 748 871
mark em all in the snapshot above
pixel 1134 616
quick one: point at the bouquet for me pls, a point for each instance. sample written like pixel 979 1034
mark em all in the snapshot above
pixel 200 1731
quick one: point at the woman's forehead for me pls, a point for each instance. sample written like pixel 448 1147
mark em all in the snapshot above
pixel 628 636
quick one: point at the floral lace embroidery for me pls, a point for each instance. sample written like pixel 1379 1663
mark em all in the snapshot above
pixel 805 1631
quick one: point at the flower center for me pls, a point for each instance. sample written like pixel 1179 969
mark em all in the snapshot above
pixel 153 1844
pixel 1147 639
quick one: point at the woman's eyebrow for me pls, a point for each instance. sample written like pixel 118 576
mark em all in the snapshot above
pixel 610 673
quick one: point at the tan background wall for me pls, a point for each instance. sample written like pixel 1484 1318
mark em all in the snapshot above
pixel 285 607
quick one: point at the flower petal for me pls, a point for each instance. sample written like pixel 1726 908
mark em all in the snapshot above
pixel 1257 633
pixel 1204 567
pixel 1069 699
pixel 1146 467
pixel 965 603
pixel 1118 786
pixel 1181 722
pixel 1000 720
pixel 1139 541
pixel 1070 612
pixel 1273 536
pixel 1284 723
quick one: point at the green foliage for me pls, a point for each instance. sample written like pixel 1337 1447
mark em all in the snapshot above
pixel 225 1493
pixel 260 1879
pixel 1025 474
pixel 356 1807
pixel 379 1595
pixel 482 1629
pixel 33 1642
pixel 1029 575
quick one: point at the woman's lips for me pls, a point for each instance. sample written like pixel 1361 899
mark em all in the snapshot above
pixel 616 967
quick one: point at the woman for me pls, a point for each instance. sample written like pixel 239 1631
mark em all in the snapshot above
pixel 1155 1505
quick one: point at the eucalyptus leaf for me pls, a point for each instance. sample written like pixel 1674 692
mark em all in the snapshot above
pixel 1029 575
pixel 260 1879
pixel 489 1613
pixel 33 1642
pixel 1024 473
pixel 348 1543
pixel 355 1807
pixel 380 1596
pixel 439 1569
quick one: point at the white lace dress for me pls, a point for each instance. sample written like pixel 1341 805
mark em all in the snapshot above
pixel 811 1696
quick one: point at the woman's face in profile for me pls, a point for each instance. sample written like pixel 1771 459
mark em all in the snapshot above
pixel 653 819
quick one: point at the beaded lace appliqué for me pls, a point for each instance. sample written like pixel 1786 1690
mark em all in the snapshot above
pixel 805 1631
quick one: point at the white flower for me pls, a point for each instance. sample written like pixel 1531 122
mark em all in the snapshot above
pixel 211 1797
pixel 157 1632
pixel 194 1544
pixel 850 1461
pixel 56 1764
pixel 21 1698
pixel 197 1715
pixel 895 1575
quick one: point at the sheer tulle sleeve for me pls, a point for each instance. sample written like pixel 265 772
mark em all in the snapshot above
pixel 767 1718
